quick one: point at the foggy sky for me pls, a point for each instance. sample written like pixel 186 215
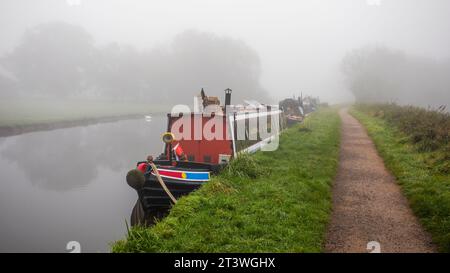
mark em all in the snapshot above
pixel 300 43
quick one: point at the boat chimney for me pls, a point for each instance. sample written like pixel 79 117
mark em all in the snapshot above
pixel 227 97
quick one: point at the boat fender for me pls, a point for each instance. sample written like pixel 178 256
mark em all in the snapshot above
pixel 135 179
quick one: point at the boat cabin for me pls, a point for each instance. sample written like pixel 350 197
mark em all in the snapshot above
pixel 215 133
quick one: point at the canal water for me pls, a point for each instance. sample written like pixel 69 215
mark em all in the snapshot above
pixel 69 184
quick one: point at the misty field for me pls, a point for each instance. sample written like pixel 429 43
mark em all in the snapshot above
pixel 267 202
pixel 17 112
pixel 415 147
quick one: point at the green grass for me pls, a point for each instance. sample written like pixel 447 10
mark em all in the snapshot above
pixel 424 180
pixel 267 202
pixel 42 111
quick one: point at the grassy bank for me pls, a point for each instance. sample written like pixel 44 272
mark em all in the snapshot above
pixel 267 202
pixel 15 113
pixel 415 148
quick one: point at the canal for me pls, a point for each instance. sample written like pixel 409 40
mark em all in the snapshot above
pixel 69 184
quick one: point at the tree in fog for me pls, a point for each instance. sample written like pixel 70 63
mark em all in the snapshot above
pixel 7 87
pixel 52 60
pixel 378 74
pixel 198 60
pixel 60 60
pixel 119 73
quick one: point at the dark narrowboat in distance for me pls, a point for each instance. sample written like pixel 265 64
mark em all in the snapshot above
pixel 295 110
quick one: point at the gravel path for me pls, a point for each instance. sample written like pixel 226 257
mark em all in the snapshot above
pixel 368 205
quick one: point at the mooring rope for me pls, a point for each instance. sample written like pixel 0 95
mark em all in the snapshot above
pixel 163 185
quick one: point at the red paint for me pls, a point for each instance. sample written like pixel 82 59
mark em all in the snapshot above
pixel 203 147
pixel 142 167
pixel 171 173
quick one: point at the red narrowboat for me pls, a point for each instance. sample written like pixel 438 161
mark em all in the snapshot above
pixel 198 144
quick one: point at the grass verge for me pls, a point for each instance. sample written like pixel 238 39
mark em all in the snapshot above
pixel 267 202
pixel 425 180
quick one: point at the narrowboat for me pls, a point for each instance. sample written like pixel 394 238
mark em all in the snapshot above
pixel 295 110
pixel 292 110
pixel 198 144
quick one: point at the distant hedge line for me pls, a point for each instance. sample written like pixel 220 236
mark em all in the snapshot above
pixel 427 129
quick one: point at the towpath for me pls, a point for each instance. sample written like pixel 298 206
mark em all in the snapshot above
pixel 368 205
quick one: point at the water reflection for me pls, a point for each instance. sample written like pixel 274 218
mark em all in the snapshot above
pixel 68 184
pixel 70 158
